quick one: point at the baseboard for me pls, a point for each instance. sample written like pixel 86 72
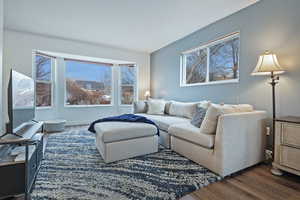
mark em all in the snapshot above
pixel 76 123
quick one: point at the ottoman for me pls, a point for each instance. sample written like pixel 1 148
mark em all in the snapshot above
pixel 121 140
pixel 57 125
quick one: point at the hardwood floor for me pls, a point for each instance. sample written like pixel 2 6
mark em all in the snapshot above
pixel 254 183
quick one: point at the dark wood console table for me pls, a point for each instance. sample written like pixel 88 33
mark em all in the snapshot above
pixel 20 161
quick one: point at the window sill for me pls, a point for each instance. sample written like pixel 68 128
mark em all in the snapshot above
pixel 88 106
pixel 210 83
pixel 126 105
pixel 44 108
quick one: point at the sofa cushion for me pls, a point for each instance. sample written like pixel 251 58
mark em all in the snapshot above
pixel 209 124
pixel 156 107
pixel 187 131
pixel 118 131
pixel 164 121
pixel 140 107
pixel 183 109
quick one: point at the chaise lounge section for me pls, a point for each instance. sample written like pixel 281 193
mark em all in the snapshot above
pixel 238 141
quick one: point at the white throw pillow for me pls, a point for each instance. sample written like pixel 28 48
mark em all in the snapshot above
pixel 183 109
pixel 209 124
pixel 156 107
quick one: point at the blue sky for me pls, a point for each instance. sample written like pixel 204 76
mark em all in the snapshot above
pixel 86 71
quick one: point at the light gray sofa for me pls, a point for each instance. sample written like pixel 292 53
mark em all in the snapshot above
pixel 238 142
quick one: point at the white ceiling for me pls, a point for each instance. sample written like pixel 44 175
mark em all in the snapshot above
pixel 141 25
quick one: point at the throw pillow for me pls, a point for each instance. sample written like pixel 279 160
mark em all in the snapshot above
pixel 210 121
pixel 156 107
pixel 139 107
pixel 200 113
pixel 198 117
pixel 167 107
pixel 182 109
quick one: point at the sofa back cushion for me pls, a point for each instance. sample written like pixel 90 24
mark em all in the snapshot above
pixel 140 107
pixel 156 107
pixel 209 124
pixel 183 109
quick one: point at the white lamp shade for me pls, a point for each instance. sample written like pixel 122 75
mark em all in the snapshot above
pixel 266 64
pixel 147 93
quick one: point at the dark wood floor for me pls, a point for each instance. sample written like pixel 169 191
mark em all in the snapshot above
pixel 254 183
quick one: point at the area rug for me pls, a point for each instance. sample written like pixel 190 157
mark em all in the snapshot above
pixel 74 169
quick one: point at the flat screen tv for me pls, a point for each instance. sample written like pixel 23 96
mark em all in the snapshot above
pixel 21 101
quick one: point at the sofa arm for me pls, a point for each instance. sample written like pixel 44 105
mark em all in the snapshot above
pixel 240 141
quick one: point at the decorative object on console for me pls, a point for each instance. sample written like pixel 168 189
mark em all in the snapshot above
pixel 20 163
pixel 287 146
pixel 268 65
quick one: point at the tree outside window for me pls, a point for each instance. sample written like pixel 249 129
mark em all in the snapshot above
pixel 217 62
pixel 43 81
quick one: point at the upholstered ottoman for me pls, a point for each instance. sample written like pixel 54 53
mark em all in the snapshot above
pixel 121 140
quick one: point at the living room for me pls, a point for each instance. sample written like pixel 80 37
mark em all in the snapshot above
pixel 150 100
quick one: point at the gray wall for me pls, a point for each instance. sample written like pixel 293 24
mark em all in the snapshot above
pixel 267 25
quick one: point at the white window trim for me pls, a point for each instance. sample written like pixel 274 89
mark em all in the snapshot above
pixel 88 106
pixel 207 47
pixel 52 82
pixel 135 87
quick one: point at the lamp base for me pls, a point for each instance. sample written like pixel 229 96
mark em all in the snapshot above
pixel 277 172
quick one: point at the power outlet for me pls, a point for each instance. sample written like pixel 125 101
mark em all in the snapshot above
pixel 269 155
pixel 268 131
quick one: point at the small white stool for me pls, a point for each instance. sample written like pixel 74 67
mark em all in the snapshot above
pixel 57 125
pixel 121 140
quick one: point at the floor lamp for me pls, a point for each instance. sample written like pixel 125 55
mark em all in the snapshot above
pixel 268 65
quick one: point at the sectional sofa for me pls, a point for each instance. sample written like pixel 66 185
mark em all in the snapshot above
pixel 236 140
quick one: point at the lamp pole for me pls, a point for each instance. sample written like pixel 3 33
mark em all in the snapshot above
pixel 273 84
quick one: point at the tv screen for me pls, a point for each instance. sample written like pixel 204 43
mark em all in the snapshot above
pixel 21 100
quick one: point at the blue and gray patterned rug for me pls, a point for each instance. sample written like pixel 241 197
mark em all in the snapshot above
pixel 73 169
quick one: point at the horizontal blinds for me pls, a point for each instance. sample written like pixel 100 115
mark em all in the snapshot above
pixel 127 65
pixel 85 61
pixel 213 42
pixel 90 62
pixel 44 54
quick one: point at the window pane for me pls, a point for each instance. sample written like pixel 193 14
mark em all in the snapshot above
pixel 128 75
pixel 127 94
pixel 196 66
pixel 43 94
pixel 88 83
pixel 224 59
pixel 43 68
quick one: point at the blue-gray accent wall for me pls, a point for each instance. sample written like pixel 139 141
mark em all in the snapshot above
pixel 267 25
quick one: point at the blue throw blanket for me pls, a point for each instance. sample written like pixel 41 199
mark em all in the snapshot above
pixel 123 118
